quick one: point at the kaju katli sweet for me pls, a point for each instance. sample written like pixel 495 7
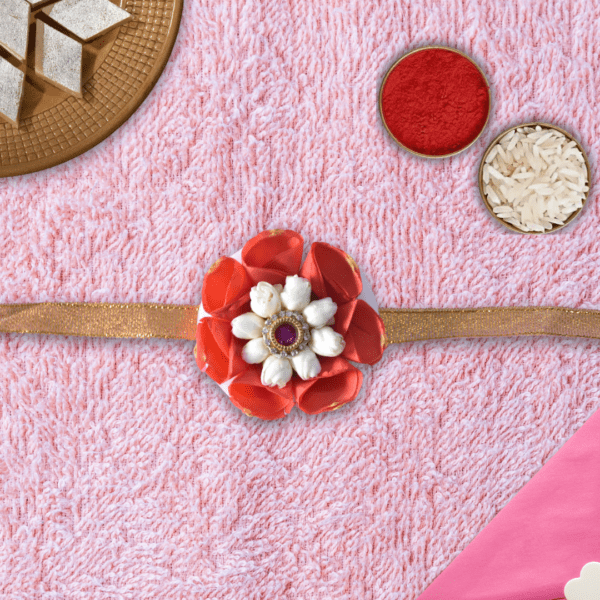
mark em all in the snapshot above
pixel 274 332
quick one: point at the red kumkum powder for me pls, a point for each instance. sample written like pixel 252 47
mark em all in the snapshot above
pixel 435 102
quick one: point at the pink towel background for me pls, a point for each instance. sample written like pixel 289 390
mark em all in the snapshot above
pixel 125 473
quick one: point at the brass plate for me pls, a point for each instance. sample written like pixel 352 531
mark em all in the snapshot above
pixel 119 71
pixel 483 195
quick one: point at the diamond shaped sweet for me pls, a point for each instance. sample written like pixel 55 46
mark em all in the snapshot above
pixel 87 19
pixel 58 58
pixel 11 91
pixel 14 26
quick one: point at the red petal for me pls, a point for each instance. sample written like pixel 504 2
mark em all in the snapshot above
pixel 363 331
pixel 332 273
pixel 338 383
pixel 272 255
pixel 256 400
pixel 226 289
pixel 218 352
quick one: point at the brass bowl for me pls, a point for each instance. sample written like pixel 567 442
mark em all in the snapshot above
pixel 555 227
pixel 414 52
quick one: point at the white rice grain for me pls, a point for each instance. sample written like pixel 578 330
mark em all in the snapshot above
pixel 535 179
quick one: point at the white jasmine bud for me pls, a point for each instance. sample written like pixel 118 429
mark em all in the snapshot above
pixel 255 351
pixel 306 364
pixel 276 371
pixel 296 293
pixel 319 312
pixel 326 342
pixel 247 326
pixel 264 299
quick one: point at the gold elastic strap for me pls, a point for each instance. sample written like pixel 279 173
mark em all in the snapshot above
pixel 101 320
pixel 401 325
pixel 411 325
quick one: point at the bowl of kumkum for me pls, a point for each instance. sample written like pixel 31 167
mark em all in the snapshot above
pixel 434 101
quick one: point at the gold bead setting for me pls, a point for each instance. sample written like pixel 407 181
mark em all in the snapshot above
pixel 295 320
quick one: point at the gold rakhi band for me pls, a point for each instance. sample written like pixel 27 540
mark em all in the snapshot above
pixel 411 325
pixel 101 320
pixel 401 325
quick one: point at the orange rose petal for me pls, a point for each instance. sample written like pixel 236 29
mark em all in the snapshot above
pixel 332 273
pixel 338 383
pixel 226 289
pixel 272 255
pixel 363 331
pixel 218 352
pixel 256 400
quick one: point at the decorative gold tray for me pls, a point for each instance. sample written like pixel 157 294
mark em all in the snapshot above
pixel 119 71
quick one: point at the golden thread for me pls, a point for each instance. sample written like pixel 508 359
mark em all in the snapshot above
pixel 352 263
pixel 274 232
pixel 411 325
pixel 101 320
pixel 384 341
pixel 215 265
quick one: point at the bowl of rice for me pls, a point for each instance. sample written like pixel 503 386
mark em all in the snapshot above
pixel 534 178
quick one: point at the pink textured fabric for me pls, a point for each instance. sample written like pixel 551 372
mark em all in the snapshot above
pixel 125 473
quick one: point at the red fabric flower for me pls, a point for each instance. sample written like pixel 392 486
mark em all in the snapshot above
pixel 271 257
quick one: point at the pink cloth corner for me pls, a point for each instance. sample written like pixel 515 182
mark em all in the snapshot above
pixel 126 474
pixel 543 538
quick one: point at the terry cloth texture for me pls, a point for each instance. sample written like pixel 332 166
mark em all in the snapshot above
pixel 125 473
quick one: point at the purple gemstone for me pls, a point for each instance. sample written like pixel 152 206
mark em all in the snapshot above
pixel 286 334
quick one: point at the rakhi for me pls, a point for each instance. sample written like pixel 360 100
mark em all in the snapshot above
pixel 275 332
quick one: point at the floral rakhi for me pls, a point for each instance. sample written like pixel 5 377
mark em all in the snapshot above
pixel 275 332
pixel 281 332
